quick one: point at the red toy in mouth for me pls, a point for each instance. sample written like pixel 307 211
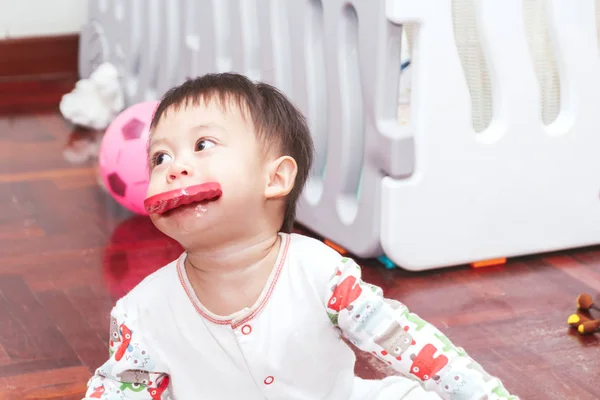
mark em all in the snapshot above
pixel 163 202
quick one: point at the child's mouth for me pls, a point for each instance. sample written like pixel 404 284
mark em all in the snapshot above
pixel 197 207
pixel 164 203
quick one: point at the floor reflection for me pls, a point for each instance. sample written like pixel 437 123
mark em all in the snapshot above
pixel 135 250
pixel 82 146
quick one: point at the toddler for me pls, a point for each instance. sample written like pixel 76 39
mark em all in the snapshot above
pixel 250 310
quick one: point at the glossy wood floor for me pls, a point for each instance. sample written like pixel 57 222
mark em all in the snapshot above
pixel 67 251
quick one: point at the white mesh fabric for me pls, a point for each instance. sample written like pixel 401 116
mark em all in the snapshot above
pixel 474 64
pixel 542 54
pixel 475 67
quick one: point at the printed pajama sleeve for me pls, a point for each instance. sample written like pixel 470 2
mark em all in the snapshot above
pixel 411 346
pixel 132 372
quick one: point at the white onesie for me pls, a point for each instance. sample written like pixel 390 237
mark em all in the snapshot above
pixel 165 345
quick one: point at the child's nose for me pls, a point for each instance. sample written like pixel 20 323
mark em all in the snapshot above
pixel 177 171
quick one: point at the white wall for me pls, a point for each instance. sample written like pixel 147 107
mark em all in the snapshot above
pixel 23 18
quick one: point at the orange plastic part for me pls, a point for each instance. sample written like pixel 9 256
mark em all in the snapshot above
pixel 336 247
pixel 489 263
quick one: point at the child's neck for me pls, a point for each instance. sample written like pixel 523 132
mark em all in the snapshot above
pixel 232 257
pixel 231 277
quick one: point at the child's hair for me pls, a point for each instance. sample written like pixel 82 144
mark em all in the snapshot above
pixel 278 123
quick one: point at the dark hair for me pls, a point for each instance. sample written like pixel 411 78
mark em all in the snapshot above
pixel 276 120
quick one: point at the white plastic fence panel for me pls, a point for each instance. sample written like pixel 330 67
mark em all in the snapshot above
pixel 168 46
pixel 153 28
pixel 518 187
pixel 93 42
pixel 347 66
pixel 234 35
pixel 128 44
pixel 338 60
pixel 115 33
pixel 499 157
pixel 198 45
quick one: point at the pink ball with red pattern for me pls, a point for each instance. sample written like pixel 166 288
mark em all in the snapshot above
pixel 123 156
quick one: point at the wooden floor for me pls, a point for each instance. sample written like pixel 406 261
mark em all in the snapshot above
pixel 67 251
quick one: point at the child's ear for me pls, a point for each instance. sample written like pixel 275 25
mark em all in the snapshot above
pixel 282 175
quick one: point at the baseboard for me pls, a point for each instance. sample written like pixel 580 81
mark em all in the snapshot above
pixel 19 96
pixel 40 57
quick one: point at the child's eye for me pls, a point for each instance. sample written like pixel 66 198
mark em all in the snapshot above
pixel 204 144
pixel 161 158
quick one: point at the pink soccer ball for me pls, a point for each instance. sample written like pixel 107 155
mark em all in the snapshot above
pixel 123 156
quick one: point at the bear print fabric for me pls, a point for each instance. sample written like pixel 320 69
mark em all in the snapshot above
pixel 410 345
pixel 131 371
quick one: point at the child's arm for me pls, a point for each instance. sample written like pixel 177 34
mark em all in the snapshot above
pixel 411 346
pixel 133 371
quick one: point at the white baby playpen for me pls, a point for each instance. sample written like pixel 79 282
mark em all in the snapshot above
pixel 495 151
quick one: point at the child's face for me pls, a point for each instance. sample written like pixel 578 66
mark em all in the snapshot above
pixel 204 143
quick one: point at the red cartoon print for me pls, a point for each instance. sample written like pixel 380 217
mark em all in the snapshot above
pixel 156 393
pixel 126 333
pixel 425 366
pixel 97 393
pixel 344 294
